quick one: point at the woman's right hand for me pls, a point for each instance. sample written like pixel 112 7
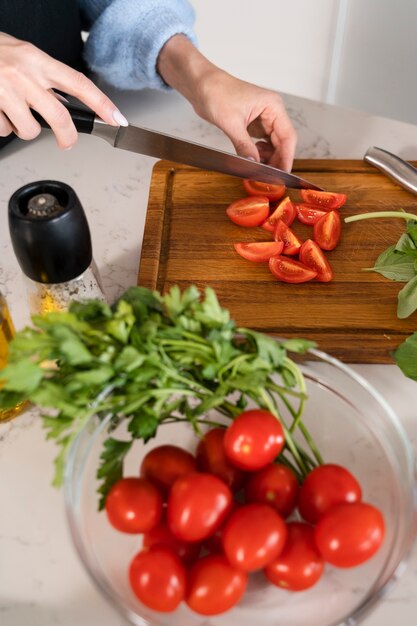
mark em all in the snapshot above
pixel 27 79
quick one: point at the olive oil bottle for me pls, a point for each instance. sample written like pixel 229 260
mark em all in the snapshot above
pixel 7 333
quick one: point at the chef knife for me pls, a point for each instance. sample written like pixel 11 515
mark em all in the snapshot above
pixel 161 146
pixel 393 166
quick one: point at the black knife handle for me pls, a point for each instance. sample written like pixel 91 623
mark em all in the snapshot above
pixel 83 118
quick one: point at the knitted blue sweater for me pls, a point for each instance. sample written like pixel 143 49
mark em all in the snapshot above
pixel 125 37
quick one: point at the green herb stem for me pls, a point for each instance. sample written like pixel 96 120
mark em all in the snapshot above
pixel 378 214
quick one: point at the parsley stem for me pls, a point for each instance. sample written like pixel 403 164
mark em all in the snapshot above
pixel 375 214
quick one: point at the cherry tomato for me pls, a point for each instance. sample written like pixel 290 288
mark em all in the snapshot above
pixel 157 577
pixel 327 200
pixel 253 440
pixel 309 214
pixel 259 251
pixel 300 565
pixel 323 488
pixel 134 505
pixel 275 485
pixel 312 256
pixel 349 534
pixel 197 506
pixel 256 188
pixel 164 464
pixel 250 211
pixel 290 271
pixel 285 211
pixel 162 536
pixel 283 233
pixel 214 586
pixel 211 458
pixel 326 231
pixel 253 536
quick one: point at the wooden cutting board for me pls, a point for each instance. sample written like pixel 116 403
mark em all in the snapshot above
pixel 188 240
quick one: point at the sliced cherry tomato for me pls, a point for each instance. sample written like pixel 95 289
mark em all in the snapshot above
pixel 308 214
pixel 275 485
pixel 157 577
pixel 253 537
pixel 349 534
pixel 211 458
pixel 326 231
pixel 214 586
pixel 300 565
pixel 253 440
pixel 198 504
pixel 256 188
pixel 162 536
pixel 290 271
pixel 312 256
pixel 164 464
pixel 323 488
pixel 283 233
pixel 250 211
pixel 285 211
pixel 327 200
pixel 134 505
pixel 259 251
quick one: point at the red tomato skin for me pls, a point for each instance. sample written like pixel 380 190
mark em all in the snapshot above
pixel 253 536
pixel 326 200
pixel 197 506
pixel 300 565
pixel 257 188
pixel 214 586
pixel 326 231
pixel 249 212
pixel 259 252
pixel 211 458
pixel 325 487
pixel 349 534
pixel 162 536
pixel 312 256
pixel 158 579
pixel 134 505
pixel 253 440
pixel 292 243
pixel 285 211
pixel 164 464
pixel 275 485
pixel 309 214
pixel 290 271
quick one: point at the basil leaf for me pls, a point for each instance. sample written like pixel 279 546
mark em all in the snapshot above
pixel 406 356
pixel 407 299
pixel 394 265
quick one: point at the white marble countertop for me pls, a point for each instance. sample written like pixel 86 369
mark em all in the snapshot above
pixel 42 582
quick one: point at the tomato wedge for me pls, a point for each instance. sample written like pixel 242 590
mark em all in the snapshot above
pixel 290 271
pixel 283 233
pixel 312 256
pixel 326 231
pixel 256 188
pixel 308 214
pixel 250 211
pixel 326 200
pixel 259 251
pixel 285 211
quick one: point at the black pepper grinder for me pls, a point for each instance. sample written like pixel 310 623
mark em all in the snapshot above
pixel 51 240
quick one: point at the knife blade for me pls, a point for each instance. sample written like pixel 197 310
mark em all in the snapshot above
pixel 162 146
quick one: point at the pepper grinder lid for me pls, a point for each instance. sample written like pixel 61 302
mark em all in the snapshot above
pixel 49 232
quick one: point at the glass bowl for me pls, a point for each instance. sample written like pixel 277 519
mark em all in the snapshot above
pixel 352 425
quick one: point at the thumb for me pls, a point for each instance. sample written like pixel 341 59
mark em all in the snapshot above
pixel 242 143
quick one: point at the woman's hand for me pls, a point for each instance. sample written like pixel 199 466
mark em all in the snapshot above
pixel 27 79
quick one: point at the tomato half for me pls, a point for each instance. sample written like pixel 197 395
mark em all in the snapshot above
pixel 259 251
pixel 275 485
pixel 308 214
pixel 300 565
pixel 327 200
pixel 256 188
pixel 164 464
pixel 349 534
pixel 162 536
pixel 291 242
pixel 134 505
pixel 250 211
pixel 285 211
pixel 312 256
pixel 214 586
pixel 323 488
pixel 327 230
pixel 290 271
pixel 253 440
pixel 211 458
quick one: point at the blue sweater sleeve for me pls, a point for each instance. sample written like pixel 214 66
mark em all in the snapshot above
pixel 125 37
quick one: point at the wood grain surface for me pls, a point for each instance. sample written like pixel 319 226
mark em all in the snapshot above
pixel 188 240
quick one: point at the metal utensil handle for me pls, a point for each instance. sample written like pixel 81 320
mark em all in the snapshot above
pixel 393 166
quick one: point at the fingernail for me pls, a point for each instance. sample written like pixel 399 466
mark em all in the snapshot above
pixel 69 148
pixel 250 158
pixel 119 118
